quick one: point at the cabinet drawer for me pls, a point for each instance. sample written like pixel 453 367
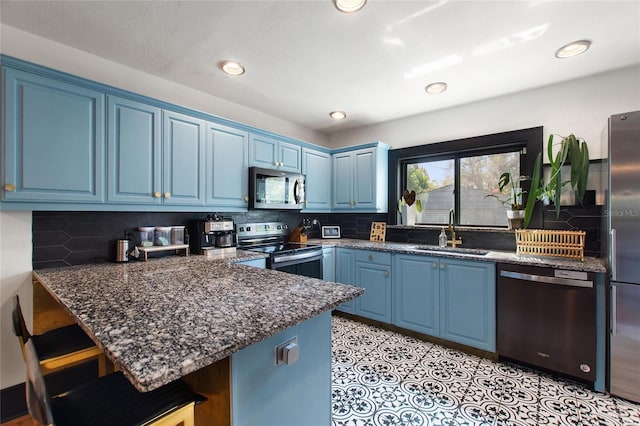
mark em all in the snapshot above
pixel 379 257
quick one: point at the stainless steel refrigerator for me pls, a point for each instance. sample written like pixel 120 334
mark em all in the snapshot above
pixel 623 217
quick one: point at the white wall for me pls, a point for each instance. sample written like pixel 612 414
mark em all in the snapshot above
pixel 15 278
pixel 580 106
pixel 32 48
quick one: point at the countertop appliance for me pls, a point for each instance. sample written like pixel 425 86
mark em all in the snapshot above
pixel 271 238
pixel 547 318
pixel 623 217
pixel 214 236
pixel 275 189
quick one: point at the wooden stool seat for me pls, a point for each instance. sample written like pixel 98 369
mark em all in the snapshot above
pixel 59 348
pixel 108 401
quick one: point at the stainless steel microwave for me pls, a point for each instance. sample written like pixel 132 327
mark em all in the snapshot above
pixel 275 189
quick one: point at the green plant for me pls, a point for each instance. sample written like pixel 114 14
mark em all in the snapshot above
pixel 513 200
pixel 570 148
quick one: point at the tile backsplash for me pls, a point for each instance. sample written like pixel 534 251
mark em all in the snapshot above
pixel 72 238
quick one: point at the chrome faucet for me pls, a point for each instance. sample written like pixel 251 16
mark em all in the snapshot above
pixel 452 220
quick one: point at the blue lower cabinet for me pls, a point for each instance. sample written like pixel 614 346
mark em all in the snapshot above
pixel 467 303
pixel 373 273
pixel 416 293
pixel 329 263
pixel 263 393
pixel 345 264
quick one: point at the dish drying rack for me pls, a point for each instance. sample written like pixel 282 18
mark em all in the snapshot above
pixel 541 242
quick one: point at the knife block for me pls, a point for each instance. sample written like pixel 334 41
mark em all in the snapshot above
pixel 299 235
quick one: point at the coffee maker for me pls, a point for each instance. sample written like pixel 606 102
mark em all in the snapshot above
pixel 215 236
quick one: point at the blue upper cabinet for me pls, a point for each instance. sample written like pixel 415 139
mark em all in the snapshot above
pixel 135 152
pixel 272 153
pixel 227 167
pixel 316 166
pixel 360 179
pixel 155 156
pixel 53 140
pixel 183 147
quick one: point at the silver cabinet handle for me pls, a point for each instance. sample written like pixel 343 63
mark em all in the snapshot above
pixel 546 280
pixel 614 263
pixel 614 309
pixel 434 265
pixel 386 273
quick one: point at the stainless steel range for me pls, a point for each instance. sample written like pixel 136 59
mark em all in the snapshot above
pixel 271 238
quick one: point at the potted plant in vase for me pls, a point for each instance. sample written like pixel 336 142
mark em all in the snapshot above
pixel 577 152
pixel 513 201
pixel 409 207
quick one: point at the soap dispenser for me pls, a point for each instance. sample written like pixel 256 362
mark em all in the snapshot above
pixel 442 238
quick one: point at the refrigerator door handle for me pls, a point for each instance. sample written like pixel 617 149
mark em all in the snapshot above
pixel 614 313
pixel 613 255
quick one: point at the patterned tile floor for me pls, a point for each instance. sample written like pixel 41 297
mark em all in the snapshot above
pixel 383 378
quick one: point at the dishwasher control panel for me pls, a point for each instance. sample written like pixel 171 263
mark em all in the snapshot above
pixel 575 275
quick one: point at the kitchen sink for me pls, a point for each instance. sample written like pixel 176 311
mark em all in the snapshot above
pixel 450 250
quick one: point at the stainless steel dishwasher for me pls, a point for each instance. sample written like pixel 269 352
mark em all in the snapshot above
pixel 547 318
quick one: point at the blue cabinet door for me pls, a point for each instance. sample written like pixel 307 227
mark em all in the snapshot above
pixel 316 166
pixel 271 153
pixel 134 152
pixel 416 285
pixel 364 178
pixel 329 263
pixel 375 303
pixel 183 159
pixel 343 181
pixel 53 137
pixel 290 157
pixel 227 167
pixel 345 264
pixel 467 301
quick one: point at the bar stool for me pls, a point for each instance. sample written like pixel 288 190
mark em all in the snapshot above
pixel 59 348
pixel 107 401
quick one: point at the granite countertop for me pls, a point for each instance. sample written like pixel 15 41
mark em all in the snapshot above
pixel 165 318
pixel 590 264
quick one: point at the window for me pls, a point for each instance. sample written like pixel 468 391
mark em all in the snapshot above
pixel 460 174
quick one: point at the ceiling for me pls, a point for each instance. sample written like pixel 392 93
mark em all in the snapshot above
pixel 304 58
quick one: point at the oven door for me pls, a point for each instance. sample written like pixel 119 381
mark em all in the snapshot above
pixel 307 264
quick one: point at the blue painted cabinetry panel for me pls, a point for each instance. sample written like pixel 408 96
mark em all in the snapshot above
pixel 271 153
pixel 416 293
pixel 360 180
pixel 263 393
pixel 183 144
pixel 329 263
pixel 316 166
pixel 345 266
pixel 134 152
pixel 227 167
pixel 467 303
pixel 373 273
pixel 53 140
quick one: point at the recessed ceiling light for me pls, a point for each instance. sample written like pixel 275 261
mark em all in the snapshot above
pixel 435 88
pixel 338 115
pixel 349 6
pixel 573 49
pixel 231 67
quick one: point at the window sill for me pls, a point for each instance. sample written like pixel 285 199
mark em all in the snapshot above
pixel 458 228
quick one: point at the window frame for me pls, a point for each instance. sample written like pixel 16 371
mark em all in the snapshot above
pixel 529 140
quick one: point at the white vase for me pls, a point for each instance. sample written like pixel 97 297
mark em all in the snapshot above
pixel 515 218
pixel 408 214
